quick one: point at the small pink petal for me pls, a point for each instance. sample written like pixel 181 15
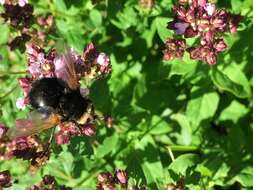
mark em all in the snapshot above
pixel 88 129
pixel 3 130
pixel 103 59
pixel 2 2
pixel 84 92
pixel 181 27
pixel 22 2
pixel 21 103
pixel 210 8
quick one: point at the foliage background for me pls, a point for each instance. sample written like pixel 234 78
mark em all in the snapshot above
pixel 204 113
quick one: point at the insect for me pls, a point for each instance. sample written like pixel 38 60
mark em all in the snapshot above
pixel 54 100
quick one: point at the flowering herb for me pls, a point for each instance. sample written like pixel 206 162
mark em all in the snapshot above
pixel 20 16
pixel 22 141
pixel 118 180
pixel 48 182
pixel 202 20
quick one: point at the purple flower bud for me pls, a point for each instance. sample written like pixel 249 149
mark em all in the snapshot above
pixel 201 3
pixel 3 130
pixel 195 53
pixel 180 12
pixel 105 177
pixel 48 179
pixel 180 27
pixel 143 187
pixel 90 53
pixel 234 21
pixel 21 103
pixel 32 50
pixel 5 179
pixel 189 32
pixel 211 58
pixel 62 138
pixel 84 92
pixel 88 129
pixel 60 68
pixel 109 122
pixel 25 84
pixel 104 63
pixel 121 177
pixel 22 2
pixel 133 187
pixel 220 45
pixel 219 19
pixel 34 69
pixel 174 48
pixel 210 8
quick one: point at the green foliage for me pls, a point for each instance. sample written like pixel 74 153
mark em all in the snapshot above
pixel 203 113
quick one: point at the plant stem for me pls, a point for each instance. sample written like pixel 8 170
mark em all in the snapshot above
pixel 12 73
pixel 171 154
pixel 9 92
pixel 182 148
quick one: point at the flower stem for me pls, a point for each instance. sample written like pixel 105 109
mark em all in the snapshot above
pixel 171 154
pixel 9 92
pixel 182 148
pixel 12 73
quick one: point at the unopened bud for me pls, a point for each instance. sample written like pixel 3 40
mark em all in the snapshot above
pixel 121 176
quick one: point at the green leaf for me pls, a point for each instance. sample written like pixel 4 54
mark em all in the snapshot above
pixel 183 162
pixel 153 171
pixel 60 5
pixel 233 112
pixel 222 81
pixel 4 33
pixel 180 67
pixel 107 146
pixel 96 17
pixel 186 132
pixel 161 26
pixel 202 107
pixel 159 126
pixel 233 71
pixel 245 177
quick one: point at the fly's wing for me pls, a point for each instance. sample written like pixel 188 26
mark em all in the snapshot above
pixel 65 69
pixel 34 124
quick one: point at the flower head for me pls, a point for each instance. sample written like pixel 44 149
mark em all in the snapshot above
pixel 5 179
pixel 201 19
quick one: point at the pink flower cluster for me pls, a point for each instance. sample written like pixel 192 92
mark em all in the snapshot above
pixel 69 129
pixel 21 3
pixel 48 182
pixel 26 148
pixel 199 18
pixel 92 65
pixel 108 181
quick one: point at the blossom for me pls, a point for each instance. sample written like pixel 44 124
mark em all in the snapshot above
pixel 104 63
pixel 5 179
pixel 121 177
pixel 201 19
pixel 3 130
pixel 174 49
pixel 48 182
pixel 21 103
pixel 88 129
